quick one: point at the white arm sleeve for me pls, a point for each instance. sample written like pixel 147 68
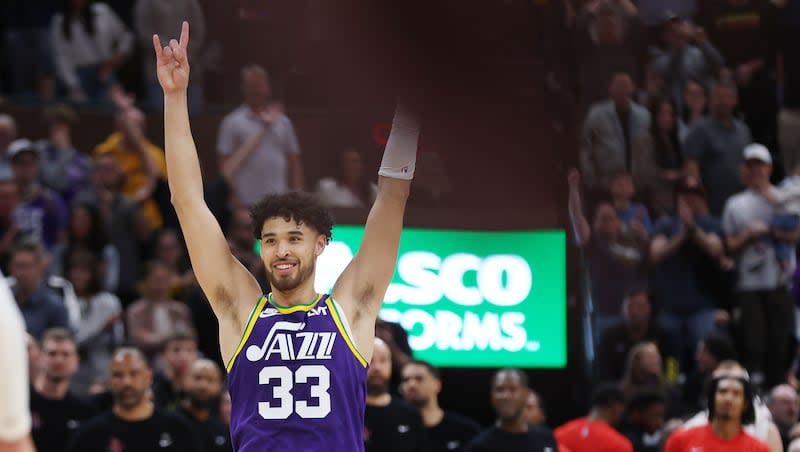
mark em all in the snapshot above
pixel 400 155
pixel 15 417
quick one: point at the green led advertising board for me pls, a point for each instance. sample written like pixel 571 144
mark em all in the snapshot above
pixel 471 298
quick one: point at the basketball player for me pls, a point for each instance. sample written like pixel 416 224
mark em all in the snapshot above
pixel 15 417
pixel 730 406
pixel 297 360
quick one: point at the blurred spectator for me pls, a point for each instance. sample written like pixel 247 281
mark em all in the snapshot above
pixel 225 408
pixel 89 43
pixel 10 234
pixel 789 117
pixel 662 146
pixel 786 200
pixel 687 56
pixel 41 307
pixel 714 148
pixel 164 19
pixel 711 351
pixel 607 41
pixel 511 432
pixel 608 133
pixel 421 385
pixel 633 215
pixel 179 352
pixel 40 214
pixel 637 325
pixel 85 231
pixel 695 107
pixel 644 371
pixel 28 46
pixel 156 316
pixel 764 312
pixel 133 423
pixel 386 415
pixel 534 409
pixel 100 329
pixel 730 408
pixel 685 252
pixel 55 410
pixel 644 420
pixel 615 257
pixel 124 222
pixel 595 432
pixel 205 323
pixel 652 12
pixel 746 32
pixel 396 337
pixel 785 410
pixel 203 389
pixel 762 428
pixel 34 358
pixel 241 241
pixel 64 169
pixel 8 134
pixel 259 149
pixel 349 187
pixel 142 162
pixel 170 251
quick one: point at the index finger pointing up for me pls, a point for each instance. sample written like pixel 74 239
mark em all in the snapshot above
pixel 184 41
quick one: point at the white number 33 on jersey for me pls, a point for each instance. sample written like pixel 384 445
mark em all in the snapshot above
pixel 282 392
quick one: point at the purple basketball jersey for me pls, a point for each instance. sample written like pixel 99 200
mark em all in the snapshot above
pixel 297 382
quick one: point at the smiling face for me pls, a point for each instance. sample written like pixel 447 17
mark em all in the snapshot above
pixel 289 251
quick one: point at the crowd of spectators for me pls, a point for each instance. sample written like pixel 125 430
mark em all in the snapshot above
pixel 684 203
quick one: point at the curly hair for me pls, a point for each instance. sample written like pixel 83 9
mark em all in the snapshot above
pixel 294 206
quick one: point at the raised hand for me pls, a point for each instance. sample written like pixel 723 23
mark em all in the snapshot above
pixel 172 62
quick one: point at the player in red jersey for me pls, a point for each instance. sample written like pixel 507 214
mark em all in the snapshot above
pixel 730 407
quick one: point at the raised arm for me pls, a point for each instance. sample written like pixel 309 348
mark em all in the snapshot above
pixel 230 288
pixel 361 287
pixel 580 225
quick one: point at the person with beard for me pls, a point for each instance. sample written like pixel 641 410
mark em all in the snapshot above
pixel 511 432
pixel 730 407
pixel 447 431
pixel 297 360
pixel 595 432
pixel 390 424
pixel 56 413
pixel 134 424
pixel 762 428
pixel 203 390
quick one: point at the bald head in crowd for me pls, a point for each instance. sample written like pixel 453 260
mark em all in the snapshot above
pixel 783 404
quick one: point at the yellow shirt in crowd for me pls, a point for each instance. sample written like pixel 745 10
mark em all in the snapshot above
pixel 134 170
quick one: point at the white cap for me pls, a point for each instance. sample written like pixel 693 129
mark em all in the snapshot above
pixel 757 151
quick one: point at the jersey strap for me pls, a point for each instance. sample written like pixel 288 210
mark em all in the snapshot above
pixel 251 322
pixel 344 330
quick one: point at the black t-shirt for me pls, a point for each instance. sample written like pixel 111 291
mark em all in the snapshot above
pixel 395 427
pixel 163 432
pixel 54 422
pixel 616 342
pixel 452 433
pixel 164 393
pixel 536 439
pixel 214 434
